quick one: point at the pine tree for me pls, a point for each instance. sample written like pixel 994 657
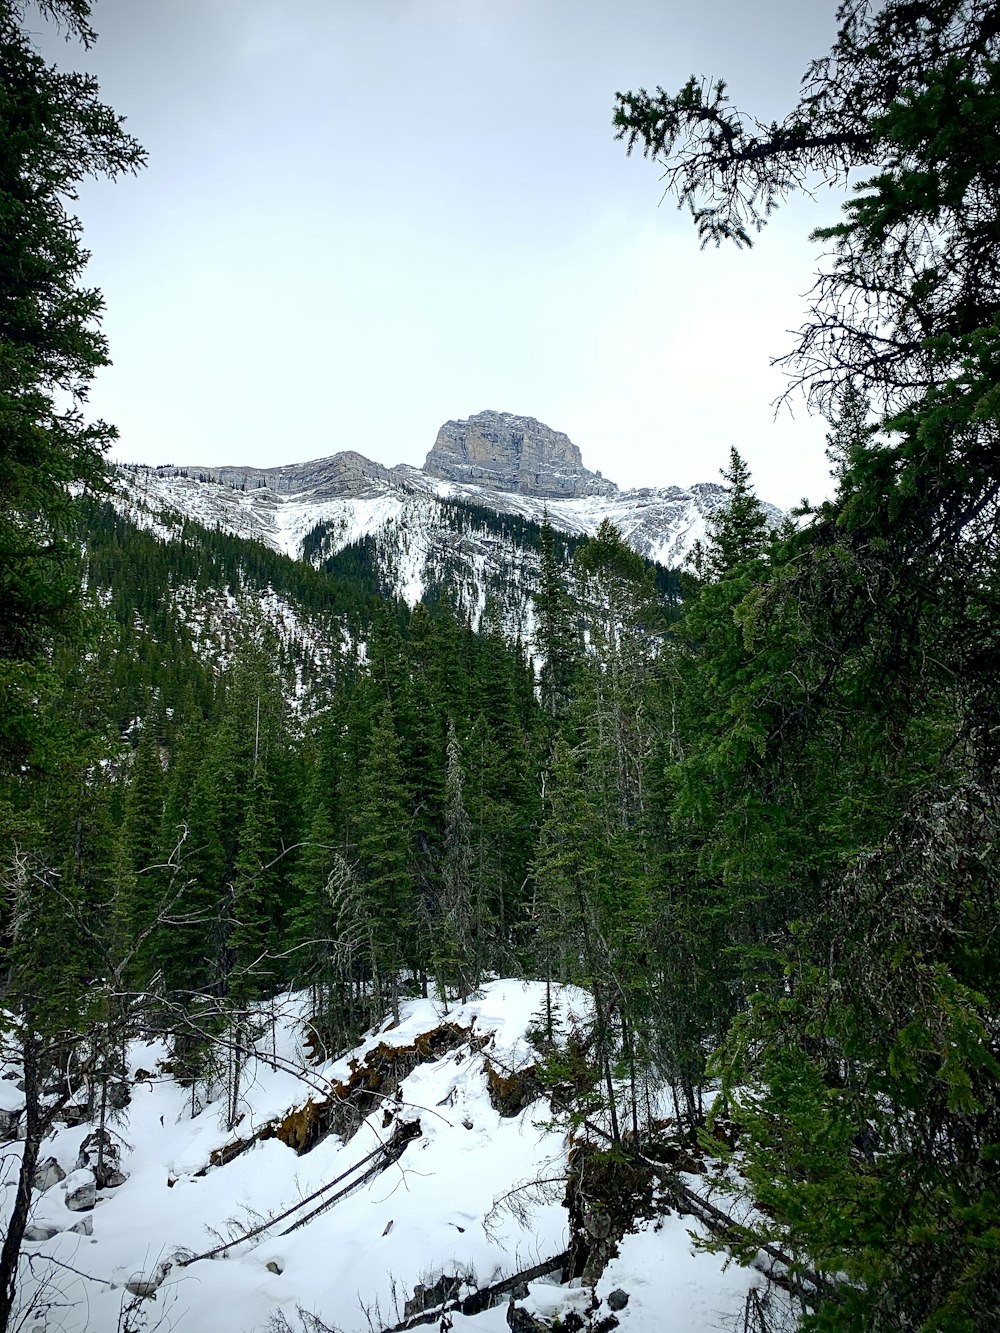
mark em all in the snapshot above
pixel 53 133
pixel 570 877
pixel 460 928
pixel 557 637
pixel 385 859
pixel 738 528
pixel 143 818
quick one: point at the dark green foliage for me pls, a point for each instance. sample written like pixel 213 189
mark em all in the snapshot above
pixel 55 837
pixel 558 635
pixel 833 787
pixel 53 133
pixel 386 857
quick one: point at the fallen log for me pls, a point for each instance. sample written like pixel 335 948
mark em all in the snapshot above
pixel 484 1297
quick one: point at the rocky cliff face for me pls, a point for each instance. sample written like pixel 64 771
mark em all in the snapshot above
pixel 504 452
pixel 347 473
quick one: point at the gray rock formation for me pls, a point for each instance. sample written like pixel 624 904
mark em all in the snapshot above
pixel 10 1123
pixel 40 1231
pixel 504 452
pixel 81 1191
pixel 48 1173
pixel 101 1154
pixel 344 474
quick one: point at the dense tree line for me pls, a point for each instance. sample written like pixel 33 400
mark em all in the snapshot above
pixel 837 795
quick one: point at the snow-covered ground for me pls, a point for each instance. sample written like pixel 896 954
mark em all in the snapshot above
pixel 432 1212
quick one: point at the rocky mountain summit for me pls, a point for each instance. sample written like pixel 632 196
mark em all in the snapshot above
pixel 454 524
pixel 504 452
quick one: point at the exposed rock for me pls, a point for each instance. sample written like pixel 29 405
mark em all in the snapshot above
pixel 617 1299
pixel 9 1124
pixel 106 1164
pixel 85 1226
pixel 439 529
pixel 119 1094
pixel 40 1232
pixel 145 1287
pixel 511 1091
pixel 348 473
pixel 273 1266
pixel 519 1321
pixel 81 1191
pixel 48 1173
pixel 510 453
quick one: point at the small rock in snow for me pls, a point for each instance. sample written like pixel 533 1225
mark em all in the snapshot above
pixel 142 1286
pixel 81 1191
pixel 617 1299
pixel 100 1147
pixel 38 1233
pixel 85 1226
pixel 48 1173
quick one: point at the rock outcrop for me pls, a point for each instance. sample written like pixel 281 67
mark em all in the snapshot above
pixel 345 474
pixel 504 452
pixel 101 1154
pixel 48 1172
pixel 81 1191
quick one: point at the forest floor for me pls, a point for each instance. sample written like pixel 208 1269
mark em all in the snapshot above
pixel 376 1186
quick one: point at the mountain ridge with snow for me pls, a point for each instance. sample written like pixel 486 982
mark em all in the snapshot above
pixel 521 467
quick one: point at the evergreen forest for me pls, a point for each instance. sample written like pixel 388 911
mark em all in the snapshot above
pixel 752 807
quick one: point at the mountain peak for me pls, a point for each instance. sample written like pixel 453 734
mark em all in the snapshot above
pixel 504 452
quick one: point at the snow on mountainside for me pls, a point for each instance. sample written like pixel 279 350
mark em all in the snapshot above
pixel 373 1187
pixel 505 464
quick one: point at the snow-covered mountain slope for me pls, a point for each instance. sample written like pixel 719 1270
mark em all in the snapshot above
pixel 431 521
pixel 364 1190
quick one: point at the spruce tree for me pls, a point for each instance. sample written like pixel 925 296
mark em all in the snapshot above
pixel 557 637
pixel 459 943
pixel 385 859
pixel 54 133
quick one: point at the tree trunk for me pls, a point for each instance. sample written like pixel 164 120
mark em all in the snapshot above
pixel 35 1127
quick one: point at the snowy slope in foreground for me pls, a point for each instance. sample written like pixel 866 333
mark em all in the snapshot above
pixel 429 1213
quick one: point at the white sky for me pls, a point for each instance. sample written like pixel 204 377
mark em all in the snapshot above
pixel 361 218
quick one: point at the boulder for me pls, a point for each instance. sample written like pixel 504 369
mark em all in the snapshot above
pixel 617 1299
pixel 85 1226
pixel 81 1191
pixel 519 1321
pixel 143 1286
pixel 40 1231
pixel 106 1165
pixel 48 1173
pixel 146 1285
pixel 9 1124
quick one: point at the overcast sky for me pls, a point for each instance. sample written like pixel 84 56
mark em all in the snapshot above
pixel 361 218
